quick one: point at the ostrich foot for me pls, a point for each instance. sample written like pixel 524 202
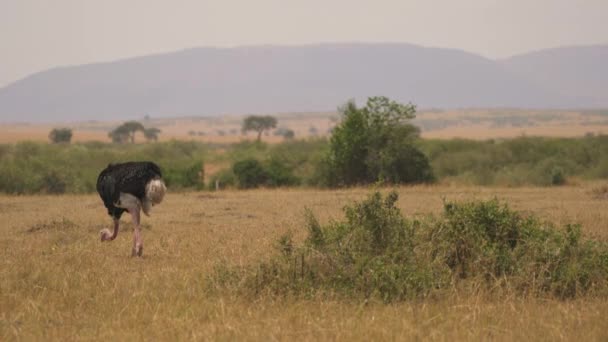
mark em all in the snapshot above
pixel 106 235
pixel 137 251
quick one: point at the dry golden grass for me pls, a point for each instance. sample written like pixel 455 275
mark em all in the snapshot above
pixel 59 282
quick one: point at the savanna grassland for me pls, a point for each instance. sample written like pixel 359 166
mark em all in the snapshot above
pixel 478 124
pixel 506 240
pixel 59 282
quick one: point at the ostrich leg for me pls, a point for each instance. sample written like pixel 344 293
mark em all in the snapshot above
pixel 138 244
pixel 105 233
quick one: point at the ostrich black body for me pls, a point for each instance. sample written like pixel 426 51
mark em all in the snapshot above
pixel 130 178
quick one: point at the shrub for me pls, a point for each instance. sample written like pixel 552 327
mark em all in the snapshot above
pixel 375 252
pixel 279 174
pixel 488 240
pixel 60 135
pixel 519 161
pixel 185 175
pixel 54 182
pixel 369 254
pixel 249 173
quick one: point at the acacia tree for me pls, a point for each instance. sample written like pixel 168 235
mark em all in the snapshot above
pixel 126 132
pixel 60 135
pixel 375 143
pixel 259 124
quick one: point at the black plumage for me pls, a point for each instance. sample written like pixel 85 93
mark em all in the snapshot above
pixel 132 187
pixel 130 178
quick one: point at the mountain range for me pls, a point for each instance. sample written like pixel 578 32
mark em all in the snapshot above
pixel 272 79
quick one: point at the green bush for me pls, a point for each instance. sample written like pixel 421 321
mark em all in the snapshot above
pixel 185 175
pixel 60 135
pixel 249 173
pixel 280 174
pixel 376 252
pixel 374 143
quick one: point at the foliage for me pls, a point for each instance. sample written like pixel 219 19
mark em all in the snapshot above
pixel 279 174
pixel 259 124
pixel 185 175
pixel 519 161
pixel 60 135
pixel 375 143
pixel 249 173
pixel 151 134
pixel 489 242
pixel 126 132
pixel 376 252
pixel 30 167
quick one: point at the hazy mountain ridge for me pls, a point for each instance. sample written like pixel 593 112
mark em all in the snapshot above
pixel 580 71
pixel 267 79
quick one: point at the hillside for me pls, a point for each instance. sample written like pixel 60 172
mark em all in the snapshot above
pixel 270 79
pixel 581 72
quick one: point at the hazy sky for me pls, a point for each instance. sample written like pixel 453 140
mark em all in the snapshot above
pixel 39 34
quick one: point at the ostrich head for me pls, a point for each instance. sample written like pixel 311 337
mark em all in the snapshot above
pixel 105 235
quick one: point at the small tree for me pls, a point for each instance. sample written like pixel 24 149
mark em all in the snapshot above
pixel 151 134
pixel 126 132
pixel 259 124
pixel 119 135
pixel 60 135
pixel 375 143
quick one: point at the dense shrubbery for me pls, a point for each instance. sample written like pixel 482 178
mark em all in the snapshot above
pixel 520 161
pixel 377 253
pixel 250 173
pixel 34 167
pixel 29 167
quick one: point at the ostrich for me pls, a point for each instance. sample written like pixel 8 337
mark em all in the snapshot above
pixel 131 187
